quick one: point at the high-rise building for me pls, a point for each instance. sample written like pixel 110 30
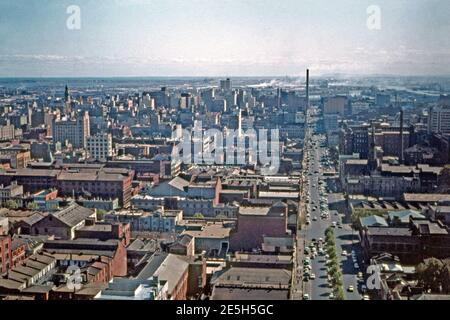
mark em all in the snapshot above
pixel 439 117
pixel 331 122
pixel 185 101
pixel 225 84
pixel 335 105
pixel 99 146
pixel 67 95
pixel 74 131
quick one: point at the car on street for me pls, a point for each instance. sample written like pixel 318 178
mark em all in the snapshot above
pixel 306 296
pixel 344 253
pixel 312 276
pixel 350 288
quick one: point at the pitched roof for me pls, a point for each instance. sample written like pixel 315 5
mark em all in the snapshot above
pixel 373 221
pixel 165 266
pixel 404 215
pixel 179 183
pixel 73 214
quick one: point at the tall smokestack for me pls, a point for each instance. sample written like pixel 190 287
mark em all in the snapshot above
pixel 307 88
pixel 402 146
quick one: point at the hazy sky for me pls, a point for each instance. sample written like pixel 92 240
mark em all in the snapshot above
pixel 223 37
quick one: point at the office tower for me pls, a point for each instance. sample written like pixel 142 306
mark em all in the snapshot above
pixel 335 105
pixel 225 84
pixel 279 98
pixel 99 147
pixel 439 117
pixel 67 95
pixel 74 131
pixel 185 101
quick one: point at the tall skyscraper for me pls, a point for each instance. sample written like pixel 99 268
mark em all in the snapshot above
pixel 67 95
pixel 225 84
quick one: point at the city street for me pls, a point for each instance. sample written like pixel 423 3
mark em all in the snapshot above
pixel 318 288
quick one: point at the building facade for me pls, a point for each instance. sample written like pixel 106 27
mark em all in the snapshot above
pixel 100 146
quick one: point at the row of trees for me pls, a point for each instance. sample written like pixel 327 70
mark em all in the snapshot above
pixel 334 270
pixel 434 275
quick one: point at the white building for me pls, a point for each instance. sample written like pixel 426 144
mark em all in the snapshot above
pixel 100 147
pixel 439 120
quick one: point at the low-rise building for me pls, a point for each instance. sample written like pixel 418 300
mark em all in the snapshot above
pixel 171 268
pixel 63 223
pixel 254 223
pixel 101 204
pixel 106 231
pixel 111 256
pixel 29 277
pixel 160 220
pixel 251 284
pixel 10 192
pixel 420 239
pixel 134 289
pixel 212 238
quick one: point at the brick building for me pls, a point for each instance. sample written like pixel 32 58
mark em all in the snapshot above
pixel 106 231
pixel 5 254
pixel 256 222
pixel 111 251
pixel 64 223
pixel 95 182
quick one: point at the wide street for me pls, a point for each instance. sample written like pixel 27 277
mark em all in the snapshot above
pixel 318 218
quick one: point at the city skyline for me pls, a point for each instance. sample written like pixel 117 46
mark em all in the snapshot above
pixel 231 38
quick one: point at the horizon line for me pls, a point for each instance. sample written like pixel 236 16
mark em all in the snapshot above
pixel 373 75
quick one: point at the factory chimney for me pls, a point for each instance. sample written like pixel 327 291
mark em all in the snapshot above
pixel 307 88
pixel 402 146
